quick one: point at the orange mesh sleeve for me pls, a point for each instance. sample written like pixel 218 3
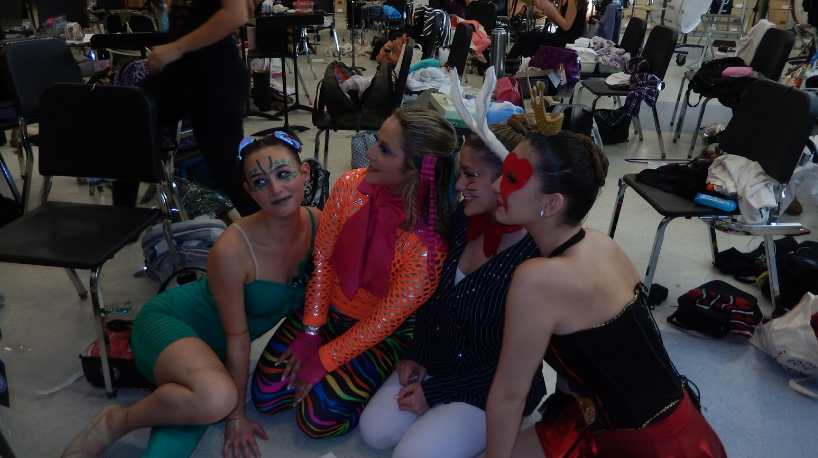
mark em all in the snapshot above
pixel 344 200
pixel 409 287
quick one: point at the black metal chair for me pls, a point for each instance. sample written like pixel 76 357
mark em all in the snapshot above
pixel 658 51
pixel 117 136
pixel 28 67
pixel 322 120
pixel 140 21
pixel 748 134
pixel 459 49
pixel 634 36
pixel 769 60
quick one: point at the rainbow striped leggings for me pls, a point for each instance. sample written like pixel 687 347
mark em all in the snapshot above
pixel 333 407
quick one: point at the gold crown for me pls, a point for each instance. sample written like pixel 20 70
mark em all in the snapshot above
pixel 547 123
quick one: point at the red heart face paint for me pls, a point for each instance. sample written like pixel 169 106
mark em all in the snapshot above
pixel 516 173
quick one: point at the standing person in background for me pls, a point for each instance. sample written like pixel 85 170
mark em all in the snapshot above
pixel 378 256
pixel 583 306
pixel 434 404
pixel 200 74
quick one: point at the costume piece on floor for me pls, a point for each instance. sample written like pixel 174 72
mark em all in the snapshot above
pixel 409 286
pixel 528 43
pixel 459 331
pixel 191 311
pixel 333 407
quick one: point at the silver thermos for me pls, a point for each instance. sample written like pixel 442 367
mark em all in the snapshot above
pixel 499 43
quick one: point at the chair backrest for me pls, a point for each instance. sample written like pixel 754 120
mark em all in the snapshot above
pixel 771 125
pixel 659 49
pixel 501 7
pixel 99 131
pixel 483 12
pixel 634 35
pixel 29 67
pixel 403 73
pixel 140 22
pixel 459 50
pixel 772 52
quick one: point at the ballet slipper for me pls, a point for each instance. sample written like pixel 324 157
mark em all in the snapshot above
pixel 76 449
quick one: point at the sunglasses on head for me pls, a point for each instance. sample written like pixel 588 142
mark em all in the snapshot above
pixel 281 135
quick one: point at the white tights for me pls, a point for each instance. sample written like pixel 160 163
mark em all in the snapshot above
pixel 451 430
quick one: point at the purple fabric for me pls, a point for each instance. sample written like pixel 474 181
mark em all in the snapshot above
pixel 549 57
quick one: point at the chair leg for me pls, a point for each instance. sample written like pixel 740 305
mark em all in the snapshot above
pixel 620 197
pixel 318 144
pixel 170 182
pixel 769 249
pixel 29 169
pixel 681 121
pixel 75 279
pixel 678 99
pixel 698 126
pixel 304 86
pixel 654 253
pixel 714 244
pixel 637 125
pixel 98 305
pixel 326 147
pixel 166 226
pixel 10 181
pixel 334 34
pixel 45 190
pixel 658 131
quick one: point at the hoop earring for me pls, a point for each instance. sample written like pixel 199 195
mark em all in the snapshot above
pixel 542 213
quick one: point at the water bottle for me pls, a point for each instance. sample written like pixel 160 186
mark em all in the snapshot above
pixel 715 202
pixel 163 19
pixel 499 43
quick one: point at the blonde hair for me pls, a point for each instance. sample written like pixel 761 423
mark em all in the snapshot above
pixel 424 132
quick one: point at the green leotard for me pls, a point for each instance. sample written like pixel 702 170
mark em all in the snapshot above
pixel 190 311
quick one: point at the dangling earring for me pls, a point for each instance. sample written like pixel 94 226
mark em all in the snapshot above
pixel 542 213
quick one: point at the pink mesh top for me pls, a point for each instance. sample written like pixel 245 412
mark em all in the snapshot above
pixel 409 282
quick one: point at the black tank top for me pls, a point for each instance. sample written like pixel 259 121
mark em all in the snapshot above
pixel 189 18
pixel 578 26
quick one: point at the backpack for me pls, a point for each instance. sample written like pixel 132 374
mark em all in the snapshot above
pixel 508 90
pixel 577 118
pixel 370 108
pixel 193 240
pixel 709 82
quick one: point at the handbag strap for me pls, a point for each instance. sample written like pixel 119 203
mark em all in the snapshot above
pixel 795 384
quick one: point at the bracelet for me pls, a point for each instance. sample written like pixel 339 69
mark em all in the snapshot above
pixel 311 330
pixel 236 423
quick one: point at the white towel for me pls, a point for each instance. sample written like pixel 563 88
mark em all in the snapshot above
pixel 731 174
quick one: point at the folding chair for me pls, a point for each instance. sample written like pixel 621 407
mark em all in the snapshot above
pixel 459 49
pixel 368 118
pixel 106 140
pixel 749 134
pixel 28 67
pixel 769 60
pixel 658 51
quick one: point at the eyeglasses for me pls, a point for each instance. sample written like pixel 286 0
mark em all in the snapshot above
pixel 279 134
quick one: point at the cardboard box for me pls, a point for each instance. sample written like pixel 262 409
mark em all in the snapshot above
pixel 441 103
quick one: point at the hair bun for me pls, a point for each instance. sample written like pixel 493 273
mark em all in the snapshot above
pixel 598 158
pixel 523 124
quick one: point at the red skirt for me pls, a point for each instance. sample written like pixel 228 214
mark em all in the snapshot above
pixel 683 434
